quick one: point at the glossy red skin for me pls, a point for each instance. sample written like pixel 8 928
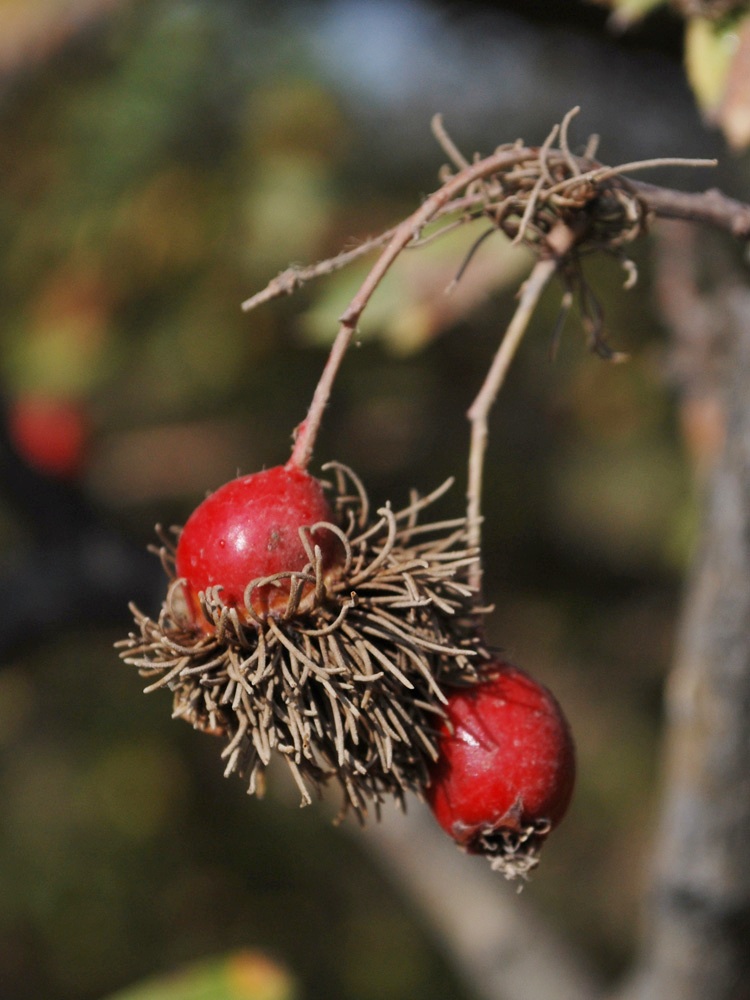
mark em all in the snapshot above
pixel 508 762
pixel 249 528
pixel 51 435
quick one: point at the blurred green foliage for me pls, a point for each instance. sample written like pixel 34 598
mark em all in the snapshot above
pixel 156 170
pixel 242 976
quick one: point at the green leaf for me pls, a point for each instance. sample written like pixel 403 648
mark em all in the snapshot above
pixel 627 12
pixel 709 50
pixel 242 975
pixel 734 111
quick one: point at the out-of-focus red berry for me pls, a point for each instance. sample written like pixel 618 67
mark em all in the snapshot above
pixel 250 528
pixel 51 435
pixel 506 761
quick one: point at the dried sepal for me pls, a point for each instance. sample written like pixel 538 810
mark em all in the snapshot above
pixel 345 682
pixel 514 853
pixel 547 186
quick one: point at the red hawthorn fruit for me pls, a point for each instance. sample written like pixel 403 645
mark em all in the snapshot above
pixel 250 528
pixel 506 765
pixel 51 435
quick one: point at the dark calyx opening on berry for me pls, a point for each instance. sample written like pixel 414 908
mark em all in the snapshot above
pixel 512 851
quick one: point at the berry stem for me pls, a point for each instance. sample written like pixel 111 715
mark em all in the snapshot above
pixel 559 241
pixel 479 183
pixel 306 433
pixel 405 233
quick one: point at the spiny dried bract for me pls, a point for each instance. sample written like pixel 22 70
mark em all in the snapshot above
pixel 551 186
pixel 345 687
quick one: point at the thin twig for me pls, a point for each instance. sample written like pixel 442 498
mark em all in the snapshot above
pixel 403 234
pixel 710 207
pixel 603 173
pixel 289 280
pixel 447 144
pixel 458 189
pixel 478 413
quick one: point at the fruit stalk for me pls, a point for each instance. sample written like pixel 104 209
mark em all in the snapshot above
pixel 405 233
pixel 479 410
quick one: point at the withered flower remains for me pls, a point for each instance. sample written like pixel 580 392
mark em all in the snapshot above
pixel 344 678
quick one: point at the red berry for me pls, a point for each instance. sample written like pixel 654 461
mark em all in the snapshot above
pixel 250 528
pixel 506 765
pixel 51 435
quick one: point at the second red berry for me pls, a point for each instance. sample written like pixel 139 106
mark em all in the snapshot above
pixel 506 765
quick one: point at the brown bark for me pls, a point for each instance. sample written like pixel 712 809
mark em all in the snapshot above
pixel 697 933
pixel 497 942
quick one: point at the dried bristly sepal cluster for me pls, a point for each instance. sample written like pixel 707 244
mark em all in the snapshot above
pixel 548 185
pixel 549 190
pixel 345 685
pixel 515 853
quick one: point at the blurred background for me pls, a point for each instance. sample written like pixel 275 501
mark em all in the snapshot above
pixel 161 161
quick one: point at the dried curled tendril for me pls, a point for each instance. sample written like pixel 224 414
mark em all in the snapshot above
pixel 550 186
pixel 346 683
pixel 548 189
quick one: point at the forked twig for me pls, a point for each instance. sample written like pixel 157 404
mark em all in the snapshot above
pixel 559 204
pixel 402 236
pixel 293 278
pixel 479 411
